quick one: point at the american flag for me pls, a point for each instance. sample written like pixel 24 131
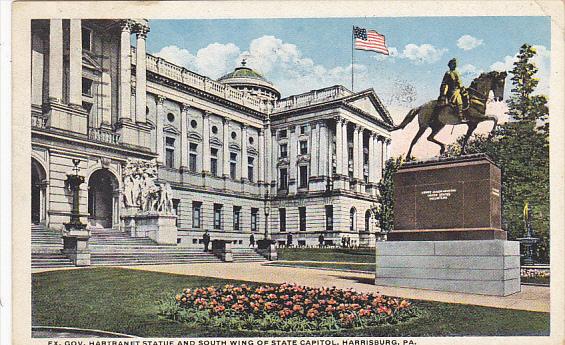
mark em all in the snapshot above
pixel 369 40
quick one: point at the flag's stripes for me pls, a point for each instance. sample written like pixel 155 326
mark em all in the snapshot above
pixel 374 41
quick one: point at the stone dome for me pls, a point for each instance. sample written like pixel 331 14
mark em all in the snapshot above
pixel 247 80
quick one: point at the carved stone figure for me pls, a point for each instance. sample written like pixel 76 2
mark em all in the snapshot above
pixel 141 189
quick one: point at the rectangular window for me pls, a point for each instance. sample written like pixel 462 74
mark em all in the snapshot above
pixel 254 214
pixel 196 214
pixel 233 166
pixel 236 218
pixel 250 170
pixel 170 152
pixel 217 216
pixel 302 218
pixel 284 150
pixel 87 87
pixel 303 170
pixel 329 217
pixel 176 203
pixel 86 39
pixel 214 161
pixel 192 155
pixel 282 219
pixel 283 179
pixel 303 147
pixel 282 134
pixel 302 129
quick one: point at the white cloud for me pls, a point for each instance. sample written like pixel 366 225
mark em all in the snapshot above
pixel 213 61
pixel 541 60
pixel 469 72
pixel 424 53
pixel 468 42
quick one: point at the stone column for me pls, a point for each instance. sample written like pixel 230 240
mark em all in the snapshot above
pixel 184 136
pixel 372 158
pixel 261 162
pixel 75 63
pixel 160 140
pixel 345 148
pixel 355 150
pixel 206 142
pixel 292 155
pixel 360 155
pixel 274 160
pixel 140 76
pixel 56 60
pixel 268 156
pixel 338 147
pixel 125 72
pixel 243 158
pixel 381 157
pixel 226 150
pixel 323 166
pixel 314 148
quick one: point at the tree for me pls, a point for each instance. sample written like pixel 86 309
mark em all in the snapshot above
pixel 385 211
pixel 520 148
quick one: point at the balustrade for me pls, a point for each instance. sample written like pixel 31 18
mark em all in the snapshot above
pixel 103 135
pixel 178 73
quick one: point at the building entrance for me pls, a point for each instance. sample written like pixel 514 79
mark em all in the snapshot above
pixel 38 192
pixel 103 199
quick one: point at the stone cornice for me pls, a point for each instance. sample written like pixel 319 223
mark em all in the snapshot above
pixel 157 78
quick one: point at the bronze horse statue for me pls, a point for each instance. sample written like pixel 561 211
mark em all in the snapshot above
pixel 436 116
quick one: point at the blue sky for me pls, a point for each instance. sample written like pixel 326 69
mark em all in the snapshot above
pixel 303 54
pixel 299 55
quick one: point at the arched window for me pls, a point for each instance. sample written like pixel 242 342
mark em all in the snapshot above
pixel 352 219
pixel 367 220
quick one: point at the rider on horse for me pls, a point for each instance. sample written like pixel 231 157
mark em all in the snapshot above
pixel 452 92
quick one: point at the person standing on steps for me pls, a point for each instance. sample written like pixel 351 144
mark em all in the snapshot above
pixel 206 240
pixel 321 240
pixel 252 240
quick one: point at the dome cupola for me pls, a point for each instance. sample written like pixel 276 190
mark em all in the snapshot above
pixel 249 81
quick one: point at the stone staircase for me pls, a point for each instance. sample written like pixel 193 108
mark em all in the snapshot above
pixel 46 248
pixel 246 255
pixel 111 247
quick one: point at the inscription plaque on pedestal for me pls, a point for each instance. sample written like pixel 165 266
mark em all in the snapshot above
pixel 448 199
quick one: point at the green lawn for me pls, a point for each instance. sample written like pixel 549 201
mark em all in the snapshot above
pixel 124 301
pixel 361 255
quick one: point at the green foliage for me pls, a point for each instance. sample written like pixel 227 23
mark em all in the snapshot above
pixel 385 208
pixel 520 148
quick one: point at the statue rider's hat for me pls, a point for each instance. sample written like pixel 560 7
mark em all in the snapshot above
pixel 452 61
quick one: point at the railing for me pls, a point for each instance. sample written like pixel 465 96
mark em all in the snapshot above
pixel 163 67
pixel 312 97
pixel 38 121
pixel 103 135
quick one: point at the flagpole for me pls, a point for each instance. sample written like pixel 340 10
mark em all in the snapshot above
pixel 352 43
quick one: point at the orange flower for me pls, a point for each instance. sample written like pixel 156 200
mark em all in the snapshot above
pixel 297 308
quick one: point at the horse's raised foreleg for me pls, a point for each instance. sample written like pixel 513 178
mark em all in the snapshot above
pixel 471 126
pixel 431 137
pixel 421 131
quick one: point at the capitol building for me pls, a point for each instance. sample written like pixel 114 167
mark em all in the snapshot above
pixel 239 158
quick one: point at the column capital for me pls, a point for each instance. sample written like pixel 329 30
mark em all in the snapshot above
pixel 160 99
pixel 244 126
pixel 141 31
pixel 126 25
pixel 387 141
pixel 261 131
pixel 206 114
pixel 184 107
pixel 226 121
pixel 322 123
pixel 358 127
pixel 381 138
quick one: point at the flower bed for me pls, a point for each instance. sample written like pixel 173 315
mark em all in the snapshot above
pixel 537 276
pixel 286 307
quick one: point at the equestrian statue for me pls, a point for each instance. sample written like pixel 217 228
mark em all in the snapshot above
pixel 457 105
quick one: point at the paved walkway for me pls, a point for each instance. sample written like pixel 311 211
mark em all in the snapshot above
pixel 532 298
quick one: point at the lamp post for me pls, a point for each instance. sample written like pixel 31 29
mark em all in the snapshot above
pixel 74 181
pixel 75 236
pixel 529 241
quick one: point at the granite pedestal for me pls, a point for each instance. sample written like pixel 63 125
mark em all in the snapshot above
pixel 447 230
